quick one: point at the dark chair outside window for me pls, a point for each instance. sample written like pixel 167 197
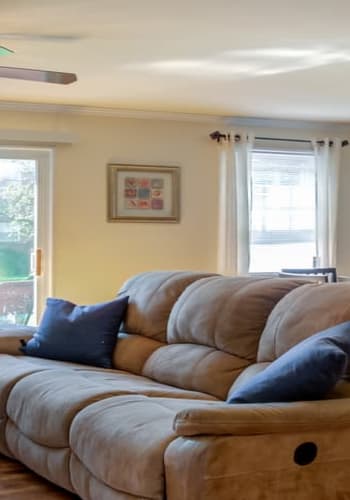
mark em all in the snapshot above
pixel 328 274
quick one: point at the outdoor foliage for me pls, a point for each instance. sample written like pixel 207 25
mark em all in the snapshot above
pixel 14 260
pixel 17 211
pixel 17 203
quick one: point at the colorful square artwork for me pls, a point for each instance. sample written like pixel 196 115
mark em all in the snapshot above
pixel 132 204
pixel 157 183
pixel 142 193
pixel 130 193
pixel 130 182
pixel 144 204
pixel 157 193
pixel 144 183
pixel 157 204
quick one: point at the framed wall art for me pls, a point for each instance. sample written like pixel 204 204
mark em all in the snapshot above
pixel 143 193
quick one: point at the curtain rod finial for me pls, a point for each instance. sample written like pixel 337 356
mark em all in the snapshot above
pixel 216 136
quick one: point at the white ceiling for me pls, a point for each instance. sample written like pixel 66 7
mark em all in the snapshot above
pixel 261 58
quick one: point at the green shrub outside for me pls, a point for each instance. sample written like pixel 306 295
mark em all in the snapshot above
pixel 14 261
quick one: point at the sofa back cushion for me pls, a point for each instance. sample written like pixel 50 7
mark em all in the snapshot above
pixel 226 313
pixel 152 297
pixel 214 330
pixel 300 314
pixel 196 331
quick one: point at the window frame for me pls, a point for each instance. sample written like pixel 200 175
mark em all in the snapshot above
pixel 44 158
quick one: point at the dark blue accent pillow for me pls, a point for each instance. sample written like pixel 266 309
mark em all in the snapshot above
pixel 80 334
pixel 308 371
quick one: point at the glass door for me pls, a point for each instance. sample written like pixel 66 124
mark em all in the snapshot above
pixel 25 234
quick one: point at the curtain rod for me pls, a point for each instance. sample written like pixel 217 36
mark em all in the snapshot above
pixel 217 136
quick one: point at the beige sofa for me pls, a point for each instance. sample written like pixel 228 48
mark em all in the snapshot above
pixel 157 425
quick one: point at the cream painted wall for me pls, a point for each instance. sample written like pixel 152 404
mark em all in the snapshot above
pixel 92 257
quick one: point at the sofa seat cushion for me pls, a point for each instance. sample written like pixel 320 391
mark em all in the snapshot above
pixel 87 486
pixel 51 463
pixel 128 383
pixel 42 405
pixel 121 441
pixel 43 363
pixel 11 371
pixel 37 400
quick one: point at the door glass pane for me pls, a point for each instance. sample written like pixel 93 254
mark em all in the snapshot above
pixel 283 211
pixel 17 240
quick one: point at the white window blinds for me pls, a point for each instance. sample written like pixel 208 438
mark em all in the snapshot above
pixel 283 208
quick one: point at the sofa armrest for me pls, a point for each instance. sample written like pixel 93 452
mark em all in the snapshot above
pixel 267 418
pixel 11 337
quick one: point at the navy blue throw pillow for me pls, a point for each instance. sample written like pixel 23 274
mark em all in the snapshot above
pixel 308 371
pixel 80 334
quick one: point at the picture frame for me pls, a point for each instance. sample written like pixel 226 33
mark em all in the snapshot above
pixel 143 193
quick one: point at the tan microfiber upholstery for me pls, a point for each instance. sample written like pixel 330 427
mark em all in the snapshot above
pixel 10 338
pixel 301 313
pixel 248 451
pixel 132 352
pixel 42 406
pixel 226 313
pixel 214 330
pixel 246 374
pixel 51 463
pixel 258 467
pixel 132 433
pixel 151 298
pixel 54 363
pixel 125 382
pixel 37 399
pixel 268 418
pixel 91 488
pixel 11 371
pixel 151 295
pixel 195 367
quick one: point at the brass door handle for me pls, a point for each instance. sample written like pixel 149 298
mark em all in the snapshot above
pixel 38 261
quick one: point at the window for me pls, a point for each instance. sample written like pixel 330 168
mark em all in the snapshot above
pixel 283 210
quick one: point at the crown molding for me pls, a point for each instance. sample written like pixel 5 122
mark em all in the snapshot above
pixel 37 137
pixel 228 121
pixel 108 112
pixel 255 122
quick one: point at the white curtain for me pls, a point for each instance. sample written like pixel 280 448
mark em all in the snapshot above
pixel 327 185
pixel 234 205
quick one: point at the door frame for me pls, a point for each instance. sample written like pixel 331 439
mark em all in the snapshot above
pixel 43 220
